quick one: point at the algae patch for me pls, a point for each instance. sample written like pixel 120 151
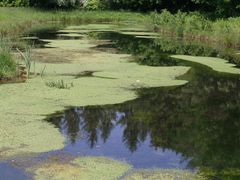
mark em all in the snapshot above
pixel 24 106
pixel 93 27
pixel 137 33
pixel 86 168
pixel 162 174
pixel 216 64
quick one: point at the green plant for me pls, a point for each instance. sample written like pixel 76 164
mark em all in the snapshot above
pixel 26 55
pixel 92 5
pixel 7 63
pixel 15 3
pixel 59 84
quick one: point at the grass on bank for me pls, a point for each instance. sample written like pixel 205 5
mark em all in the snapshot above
pixel 196 26
pixel 189 25
pixel 15 21
pixel 7 63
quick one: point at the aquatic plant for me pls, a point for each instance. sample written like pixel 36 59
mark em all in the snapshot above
pixel 26 55
pixel 59 84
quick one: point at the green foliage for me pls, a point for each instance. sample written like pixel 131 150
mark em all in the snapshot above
pixel 55 3
pixel 224 8
pixel 181 23
pixel 7 64
pixel 14 3
pixel 27 57
pixel 92 5
pixel 196 26
pixel 218 8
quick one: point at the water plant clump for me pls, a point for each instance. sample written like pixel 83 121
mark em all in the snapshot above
pixel 59 84
pixel 27 57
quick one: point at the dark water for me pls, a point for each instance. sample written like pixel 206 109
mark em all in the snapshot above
pixel 194 126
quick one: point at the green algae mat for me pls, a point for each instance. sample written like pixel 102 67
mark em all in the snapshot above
pixel 24 106
pixel 86 168
pixel 216 64
pixel 101 168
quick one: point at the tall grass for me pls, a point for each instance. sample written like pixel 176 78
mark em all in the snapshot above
pixel 15 21
pixel 225 32
pixel 7 63
pixel 27 58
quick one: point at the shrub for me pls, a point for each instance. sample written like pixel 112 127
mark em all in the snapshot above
pixel 15 3
pixel 92 5
pixel 56 3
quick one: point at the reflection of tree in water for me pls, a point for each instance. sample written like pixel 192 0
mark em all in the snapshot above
pixel 86 123
pixel 199 119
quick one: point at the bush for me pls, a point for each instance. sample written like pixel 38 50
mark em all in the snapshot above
pixel 92 5
pixel 14 3
pixel 56 3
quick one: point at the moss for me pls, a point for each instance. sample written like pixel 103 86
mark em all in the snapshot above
pixel 148 37
pixel 86 168
pixel 162 174
pixel 216 64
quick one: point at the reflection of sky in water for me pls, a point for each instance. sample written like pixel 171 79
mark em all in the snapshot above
pixel 8 172
pixel 144 157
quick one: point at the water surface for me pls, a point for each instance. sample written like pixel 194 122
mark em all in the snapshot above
pixel 187 127
pixel 193 126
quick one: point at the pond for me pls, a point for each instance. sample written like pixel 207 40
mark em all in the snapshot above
pixel 192 126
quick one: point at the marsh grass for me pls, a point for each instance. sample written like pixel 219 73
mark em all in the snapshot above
pixel 195 26
pixel 27 57
pixel 7 63
pixel 15 21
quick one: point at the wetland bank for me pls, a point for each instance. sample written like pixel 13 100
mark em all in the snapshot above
pixel 133 105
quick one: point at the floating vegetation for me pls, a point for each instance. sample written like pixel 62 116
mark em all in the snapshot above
pixel 137 33
pixel 86 168
pixel 22 130
pixel 216 64
pixel 163 174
